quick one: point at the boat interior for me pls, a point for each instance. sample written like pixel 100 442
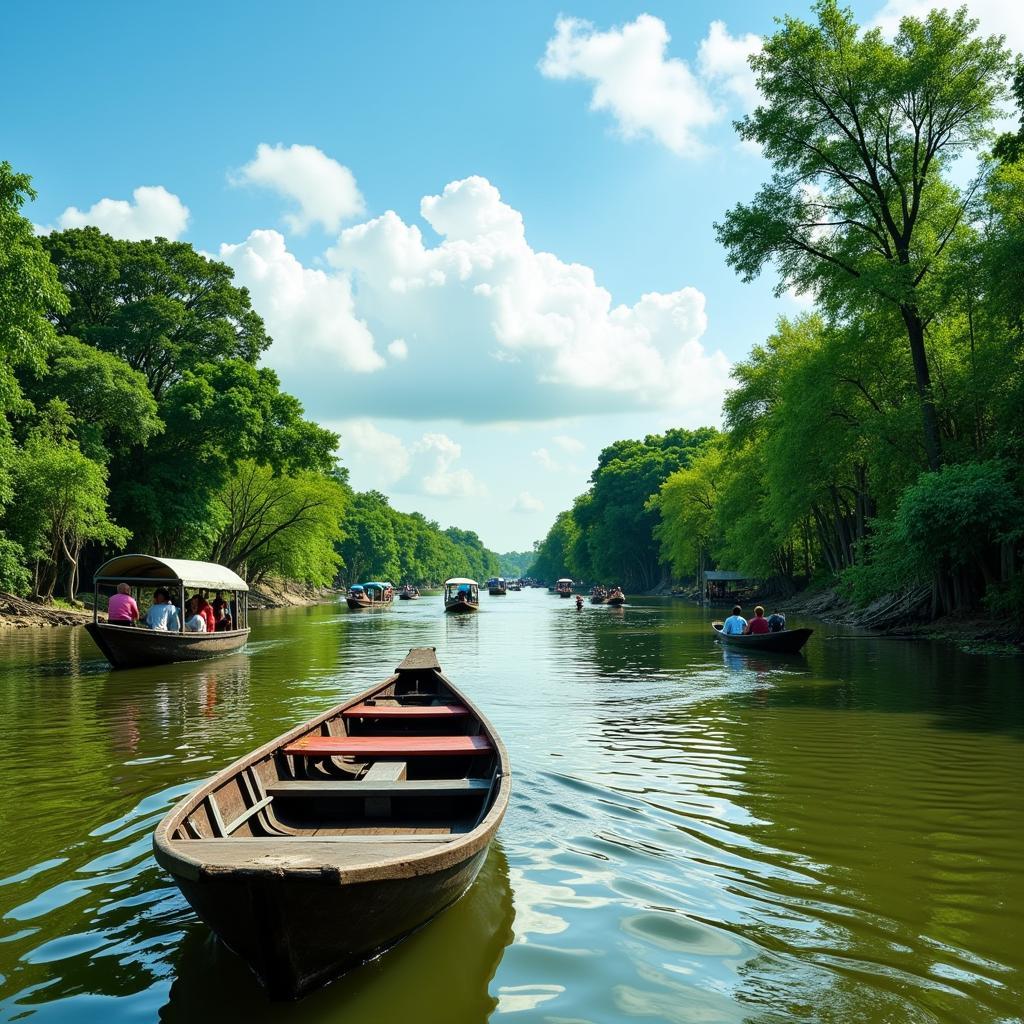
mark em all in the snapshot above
pixel 406 760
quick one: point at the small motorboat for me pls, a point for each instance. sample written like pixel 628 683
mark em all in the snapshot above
pixel 126 645
pixel 408 593
pixel 461 595
pixel 786 641
pixel 616 598
pixel 326 846
pixel 598 595
pixel 564 587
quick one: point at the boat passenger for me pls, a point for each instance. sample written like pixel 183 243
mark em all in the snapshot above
pixel 776 622
pixel 121 608
pixel 206 610
pixel 162 614
pixel 224 623
pixel 196 621
pixel 758 624
pixel 735 625
pixel 219 606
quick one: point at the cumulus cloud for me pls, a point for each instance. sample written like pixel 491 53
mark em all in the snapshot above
pixel 546 459
pixel 434 458
pixel 648 93
pixel 309 313
pixel 398 349
pixel 379 458
pixel 722 59
pixel 994 16
pixel 154 212
pixel 496 328
pixel 526 502
pixel 571 445
pixel 325 190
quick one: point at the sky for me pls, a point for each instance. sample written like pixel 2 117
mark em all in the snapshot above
pixel 480 235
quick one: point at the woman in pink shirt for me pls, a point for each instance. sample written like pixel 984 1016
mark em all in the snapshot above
pixel 121 608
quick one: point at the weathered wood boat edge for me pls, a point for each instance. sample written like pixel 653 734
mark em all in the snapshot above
pixel 787 641
pixel 136 646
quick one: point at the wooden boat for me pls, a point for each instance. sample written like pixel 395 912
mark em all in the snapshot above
pixel 369 595
pixel 497 587
pixel 461 595
pixel 564 587
pixel 786 641
pixel 131 646
pixel 327 845
pixel 615 598
pixel 408 594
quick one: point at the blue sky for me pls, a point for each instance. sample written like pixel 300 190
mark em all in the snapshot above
pixel 475 352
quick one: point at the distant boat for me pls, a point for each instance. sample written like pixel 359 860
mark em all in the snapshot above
pixel 515 586
pixel 787 641
pixel 128 646
pixel 564 587
pixel 321 849
pixel 369 595
pixel 497 587
pixel 461 595
pixel 598 595
pixel 408 593
pixel 615 597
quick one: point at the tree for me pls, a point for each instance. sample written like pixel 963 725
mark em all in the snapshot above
pixel 286 526
pixel 160 306
pixel 60 503
pixel 859 131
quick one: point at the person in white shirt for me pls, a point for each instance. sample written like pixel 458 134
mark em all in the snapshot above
pixel 195 623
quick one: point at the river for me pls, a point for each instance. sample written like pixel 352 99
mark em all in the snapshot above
pixel 695 835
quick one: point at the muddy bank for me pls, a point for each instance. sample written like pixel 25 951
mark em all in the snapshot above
pixel 287 594
pixel 17 613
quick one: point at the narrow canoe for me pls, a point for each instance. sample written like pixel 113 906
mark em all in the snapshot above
pixel 135 646
pixel 329 844
pixel 787 641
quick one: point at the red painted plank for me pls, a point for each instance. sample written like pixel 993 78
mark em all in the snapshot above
pixel 412 711
pixel 389 746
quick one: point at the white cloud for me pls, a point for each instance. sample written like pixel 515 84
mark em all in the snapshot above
pixel 568 444
pixel 526 502
pixel 398 349
pixel 310 314
pixel 722 59
pixel 998 17
pixel 435 455
pixel 546 459
pixel 325 190
pixel 647 93
pixel 154 213
pixel 376 456
pixel 496 328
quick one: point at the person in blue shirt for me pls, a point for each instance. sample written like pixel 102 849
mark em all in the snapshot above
pixel 163 615
pixel 735 624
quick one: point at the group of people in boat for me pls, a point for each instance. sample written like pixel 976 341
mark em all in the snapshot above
pixel 737 625
pixel 200 615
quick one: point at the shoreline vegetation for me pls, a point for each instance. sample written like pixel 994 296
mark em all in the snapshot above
pixel 871 446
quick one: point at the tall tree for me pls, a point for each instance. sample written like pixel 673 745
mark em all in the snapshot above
pixel 859 131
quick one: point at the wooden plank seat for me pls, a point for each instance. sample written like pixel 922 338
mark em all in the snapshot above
pixel 399 711
pixel 389 746
pixel 410 787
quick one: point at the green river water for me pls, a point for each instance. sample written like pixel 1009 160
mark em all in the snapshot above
pixel 695 835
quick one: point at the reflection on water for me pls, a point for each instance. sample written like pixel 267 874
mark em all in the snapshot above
pixel 696 833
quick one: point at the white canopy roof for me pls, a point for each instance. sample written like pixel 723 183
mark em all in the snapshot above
pixel 461 579
pixel 565 579
pixel 208 575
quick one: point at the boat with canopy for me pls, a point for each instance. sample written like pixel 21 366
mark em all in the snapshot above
pixel 497 586
pixel 461 595
pixel 370 595
pixel 564 587
pixel 127 645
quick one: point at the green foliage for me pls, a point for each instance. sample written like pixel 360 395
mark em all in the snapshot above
pixel 553 557
pixel 285 526
pixel 513 564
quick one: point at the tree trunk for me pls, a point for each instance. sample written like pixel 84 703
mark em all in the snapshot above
pixel 922 376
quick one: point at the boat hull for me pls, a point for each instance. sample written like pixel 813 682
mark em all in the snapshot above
pixel 615 602
pixel 355 603
pixel 788 641
pixel 496 593
pixel 298 933
pixel 565 593
pixel 597 600
pixel 136 646
pixel 461 606
pixel 408 597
